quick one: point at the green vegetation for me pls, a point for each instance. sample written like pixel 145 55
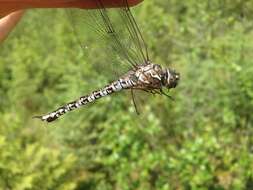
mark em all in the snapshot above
pixel 203 140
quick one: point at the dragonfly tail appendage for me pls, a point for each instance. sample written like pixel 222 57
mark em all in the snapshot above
pixel 113 87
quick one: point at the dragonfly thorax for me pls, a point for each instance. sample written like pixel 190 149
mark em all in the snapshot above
pixel 153 76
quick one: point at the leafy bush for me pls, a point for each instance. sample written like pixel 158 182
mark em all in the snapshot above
pixel 203 140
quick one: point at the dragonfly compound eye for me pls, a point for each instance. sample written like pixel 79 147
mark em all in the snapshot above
pixel 172 78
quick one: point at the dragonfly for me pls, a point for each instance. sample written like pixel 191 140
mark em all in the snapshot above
pixel 125 43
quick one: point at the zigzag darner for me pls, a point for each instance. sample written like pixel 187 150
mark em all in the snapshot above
pixel 128 44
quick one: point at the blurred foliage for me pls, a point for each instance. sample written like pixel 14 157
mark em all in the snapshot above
pixel 203 140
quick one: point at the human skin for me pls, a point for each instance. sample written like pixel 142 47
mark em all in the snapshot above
pixel 8 23
pixel 8 6
pixel 12 9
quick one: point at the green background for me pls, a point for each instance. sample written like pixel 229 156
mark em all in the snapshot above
pixel 202 140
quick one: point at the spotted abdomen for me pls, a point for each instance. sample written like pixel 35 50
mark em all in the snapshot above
pixel 113 87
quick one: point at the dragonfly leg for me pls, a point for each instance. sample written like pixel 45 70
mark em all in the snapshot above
pixel 135 105
pixel 150 91
pixel 163 93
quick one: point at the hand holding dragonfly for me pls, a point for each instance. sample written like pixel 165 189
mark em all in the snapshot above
pixel 11 10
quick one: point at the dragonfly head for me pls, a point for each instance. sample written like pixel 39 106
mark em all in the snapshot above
pixel 171 78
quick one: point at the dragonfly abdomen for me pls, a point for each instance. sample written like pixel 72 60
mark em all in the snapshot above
pixel 107 90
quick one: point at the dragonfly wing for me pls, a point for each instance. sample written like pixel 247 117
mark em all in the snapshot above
pixel 112 35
